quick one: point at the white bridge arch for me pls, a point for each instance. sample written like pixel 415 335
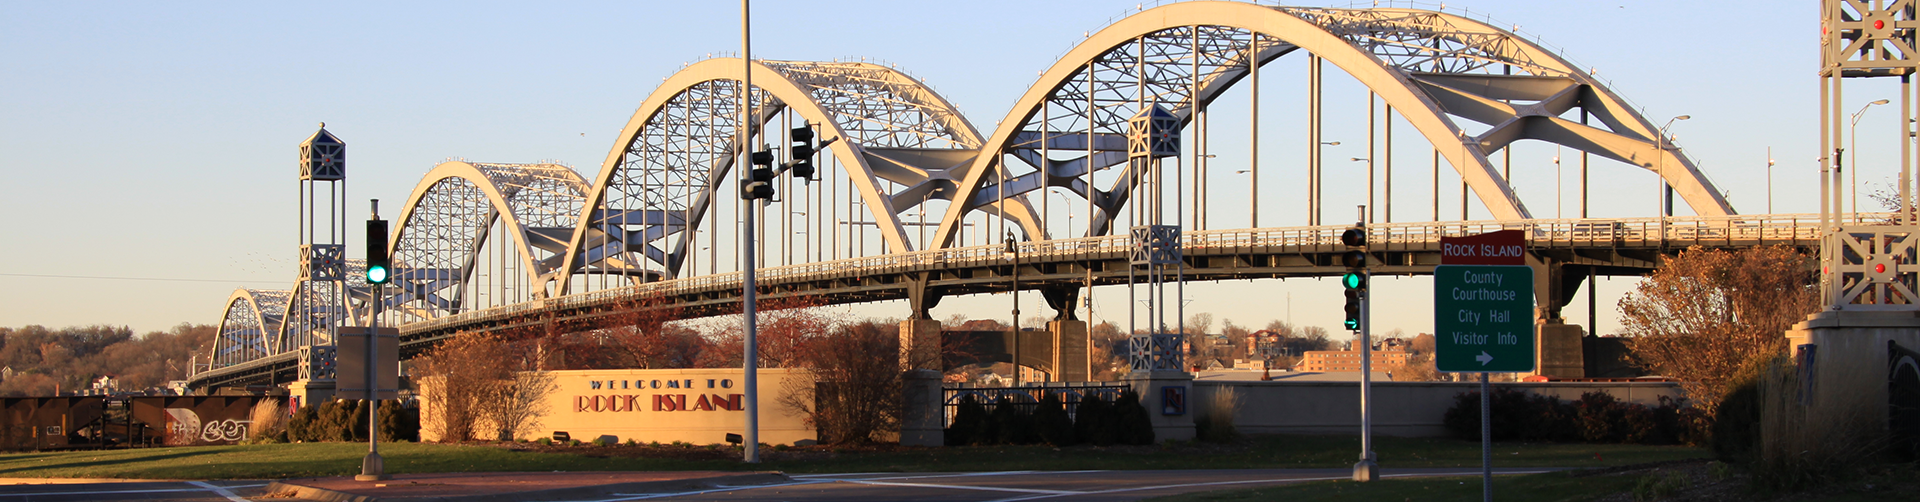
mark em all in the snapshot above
pixel 899 146
pixel 1433 67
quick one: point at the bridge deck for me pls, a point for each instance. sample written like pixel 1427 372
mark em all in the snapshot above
pixel 1604 246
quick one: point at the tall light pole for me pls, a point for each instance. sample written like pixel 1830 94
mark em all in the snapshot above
pixel 1367 217
pixel 1853 141
pixel 1012 252
pixel 1769 180
pixel 1663 199
pixel 749 291
pixel 1558 183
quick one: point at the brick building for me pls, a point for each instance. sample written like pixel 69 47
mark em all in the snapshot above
pixel 1349 360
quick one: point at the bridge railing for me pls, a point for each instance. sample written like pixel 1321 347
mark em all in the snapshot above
pixel 1673 232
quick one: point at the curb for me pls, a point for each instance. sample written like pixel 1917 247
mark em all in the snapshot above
pixel 579 492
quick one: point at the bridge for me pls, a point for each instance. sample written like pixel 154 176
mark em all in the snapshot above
pixel 912 202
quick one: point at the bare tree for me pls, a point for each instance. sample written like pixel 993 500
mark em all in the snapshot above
pixel 464 374
pixel 1705 313
pixel 515 405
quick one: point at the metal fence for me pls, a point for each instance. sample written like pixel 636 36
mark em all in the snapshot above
pixel 1027 398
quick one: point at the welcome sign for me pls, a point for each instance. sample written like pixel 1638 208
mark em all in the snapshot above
pixel 699 406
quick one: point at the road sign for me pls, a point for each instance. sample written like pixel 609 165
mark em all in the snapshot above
pixel 1483 312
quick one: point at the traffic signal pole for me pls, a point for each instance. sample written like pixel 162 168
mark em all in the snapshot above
pixel 379 272
pixel 1358 268
pixel 749 290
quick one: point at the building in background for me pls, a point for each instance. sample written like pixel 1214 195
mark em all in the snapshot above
pixel 1349 360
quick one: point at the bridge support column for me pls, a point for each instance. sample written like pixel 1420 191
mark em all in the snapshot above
pixel 1171 420
pixel 920 345
pixel 920 333
pixel 923 421
pixel 1070 360
pixel 1852 360
pixel 311 392
pixel 1558 347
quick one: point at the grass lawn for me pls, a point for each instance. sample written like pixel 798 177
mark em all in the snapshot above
pixel 1278 451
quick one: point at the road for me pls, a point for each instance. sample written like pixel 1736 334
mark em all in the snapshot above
pixel 1074 486
pixel 1008 486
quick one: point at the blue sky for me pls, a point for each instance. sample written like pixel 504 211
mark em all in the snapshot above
pixel 157 140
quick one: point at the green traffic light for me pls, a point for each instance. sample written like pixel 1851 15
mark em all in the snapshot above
pixel 1353 324
pixel 377 275
pixel 1353 281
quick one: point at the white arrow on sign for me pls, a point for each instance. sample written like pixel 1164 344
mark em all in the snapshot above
pixel 1483 358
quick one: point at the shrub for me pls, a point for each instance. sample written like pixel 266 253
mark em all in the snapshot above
pixel 1736 423
pixel 1596 417
pixel 1011 424
pixel 1051 422
pixel 1093 421
pixel 399 422
pixel 1135 426
pixel 300 427
pixel 1512 414
pixel 968 421
pixel 342 420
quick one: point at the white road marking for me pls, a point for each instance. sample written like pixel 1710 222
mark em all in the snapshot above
pixel 636 496
pixel 111 492
pixel 965 487
pixel 222 491
pixel 1249 481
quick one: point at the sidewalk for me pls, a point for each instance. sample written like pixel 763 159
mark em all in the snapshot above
pixel 512 486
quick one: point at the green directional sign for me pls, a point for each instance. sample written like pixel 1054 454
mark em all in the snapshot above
pixel 1483 318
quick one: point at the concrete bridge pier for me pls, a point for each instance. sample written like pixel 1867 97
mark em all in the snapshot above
pixel 1559 351
pixel 1070 339
pixel 923 417
pixel 920 333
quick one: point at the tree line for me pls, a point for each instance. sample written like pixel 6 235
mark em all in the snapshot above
pixel 46 361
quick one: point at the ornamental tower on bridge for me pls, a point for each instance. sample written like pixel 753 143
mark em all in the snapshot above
pixel 320 298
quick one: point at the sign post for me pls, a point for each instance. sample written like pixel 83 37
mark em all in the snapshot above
pixel 1483 318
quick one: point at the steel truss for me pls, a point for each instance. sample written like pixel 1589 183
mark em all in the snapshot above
pixel 900 146
pixel 1432 67
pixel 445 228
pixel 251 327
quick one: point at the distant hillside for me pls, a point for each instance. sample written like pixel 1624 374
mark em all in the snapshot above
pixel 69 359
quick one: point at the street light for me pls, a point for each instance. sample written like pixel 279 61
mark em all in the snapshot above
pixel 1330 143
pixel 1558 183
pixel 1012 252
pixel 1664 197
pixel 1069 203
pixel 1852 142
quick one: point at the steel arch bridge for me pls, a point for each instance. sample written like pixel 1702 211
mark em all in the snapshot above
pixel 493 246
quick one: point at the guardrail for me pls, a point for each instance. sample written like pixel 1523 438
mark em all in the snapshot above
pixel 1737 230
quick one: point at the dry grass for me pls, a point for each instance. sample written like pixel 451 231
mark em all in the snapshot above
pixel 1215 414
pixel 1809 440
pixel 268 420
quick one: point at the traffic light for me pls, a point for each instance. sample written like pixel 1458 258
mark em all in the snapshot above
pixel 760 182
pixel 802 165
pixel 379 268
pixel 1355 280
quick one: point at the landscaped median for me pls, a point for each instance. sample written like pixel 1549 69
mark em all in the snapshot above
pixel 278 461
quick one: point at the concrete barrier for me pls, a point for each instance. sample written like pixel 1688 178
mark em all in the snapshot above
pixel 1412 409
